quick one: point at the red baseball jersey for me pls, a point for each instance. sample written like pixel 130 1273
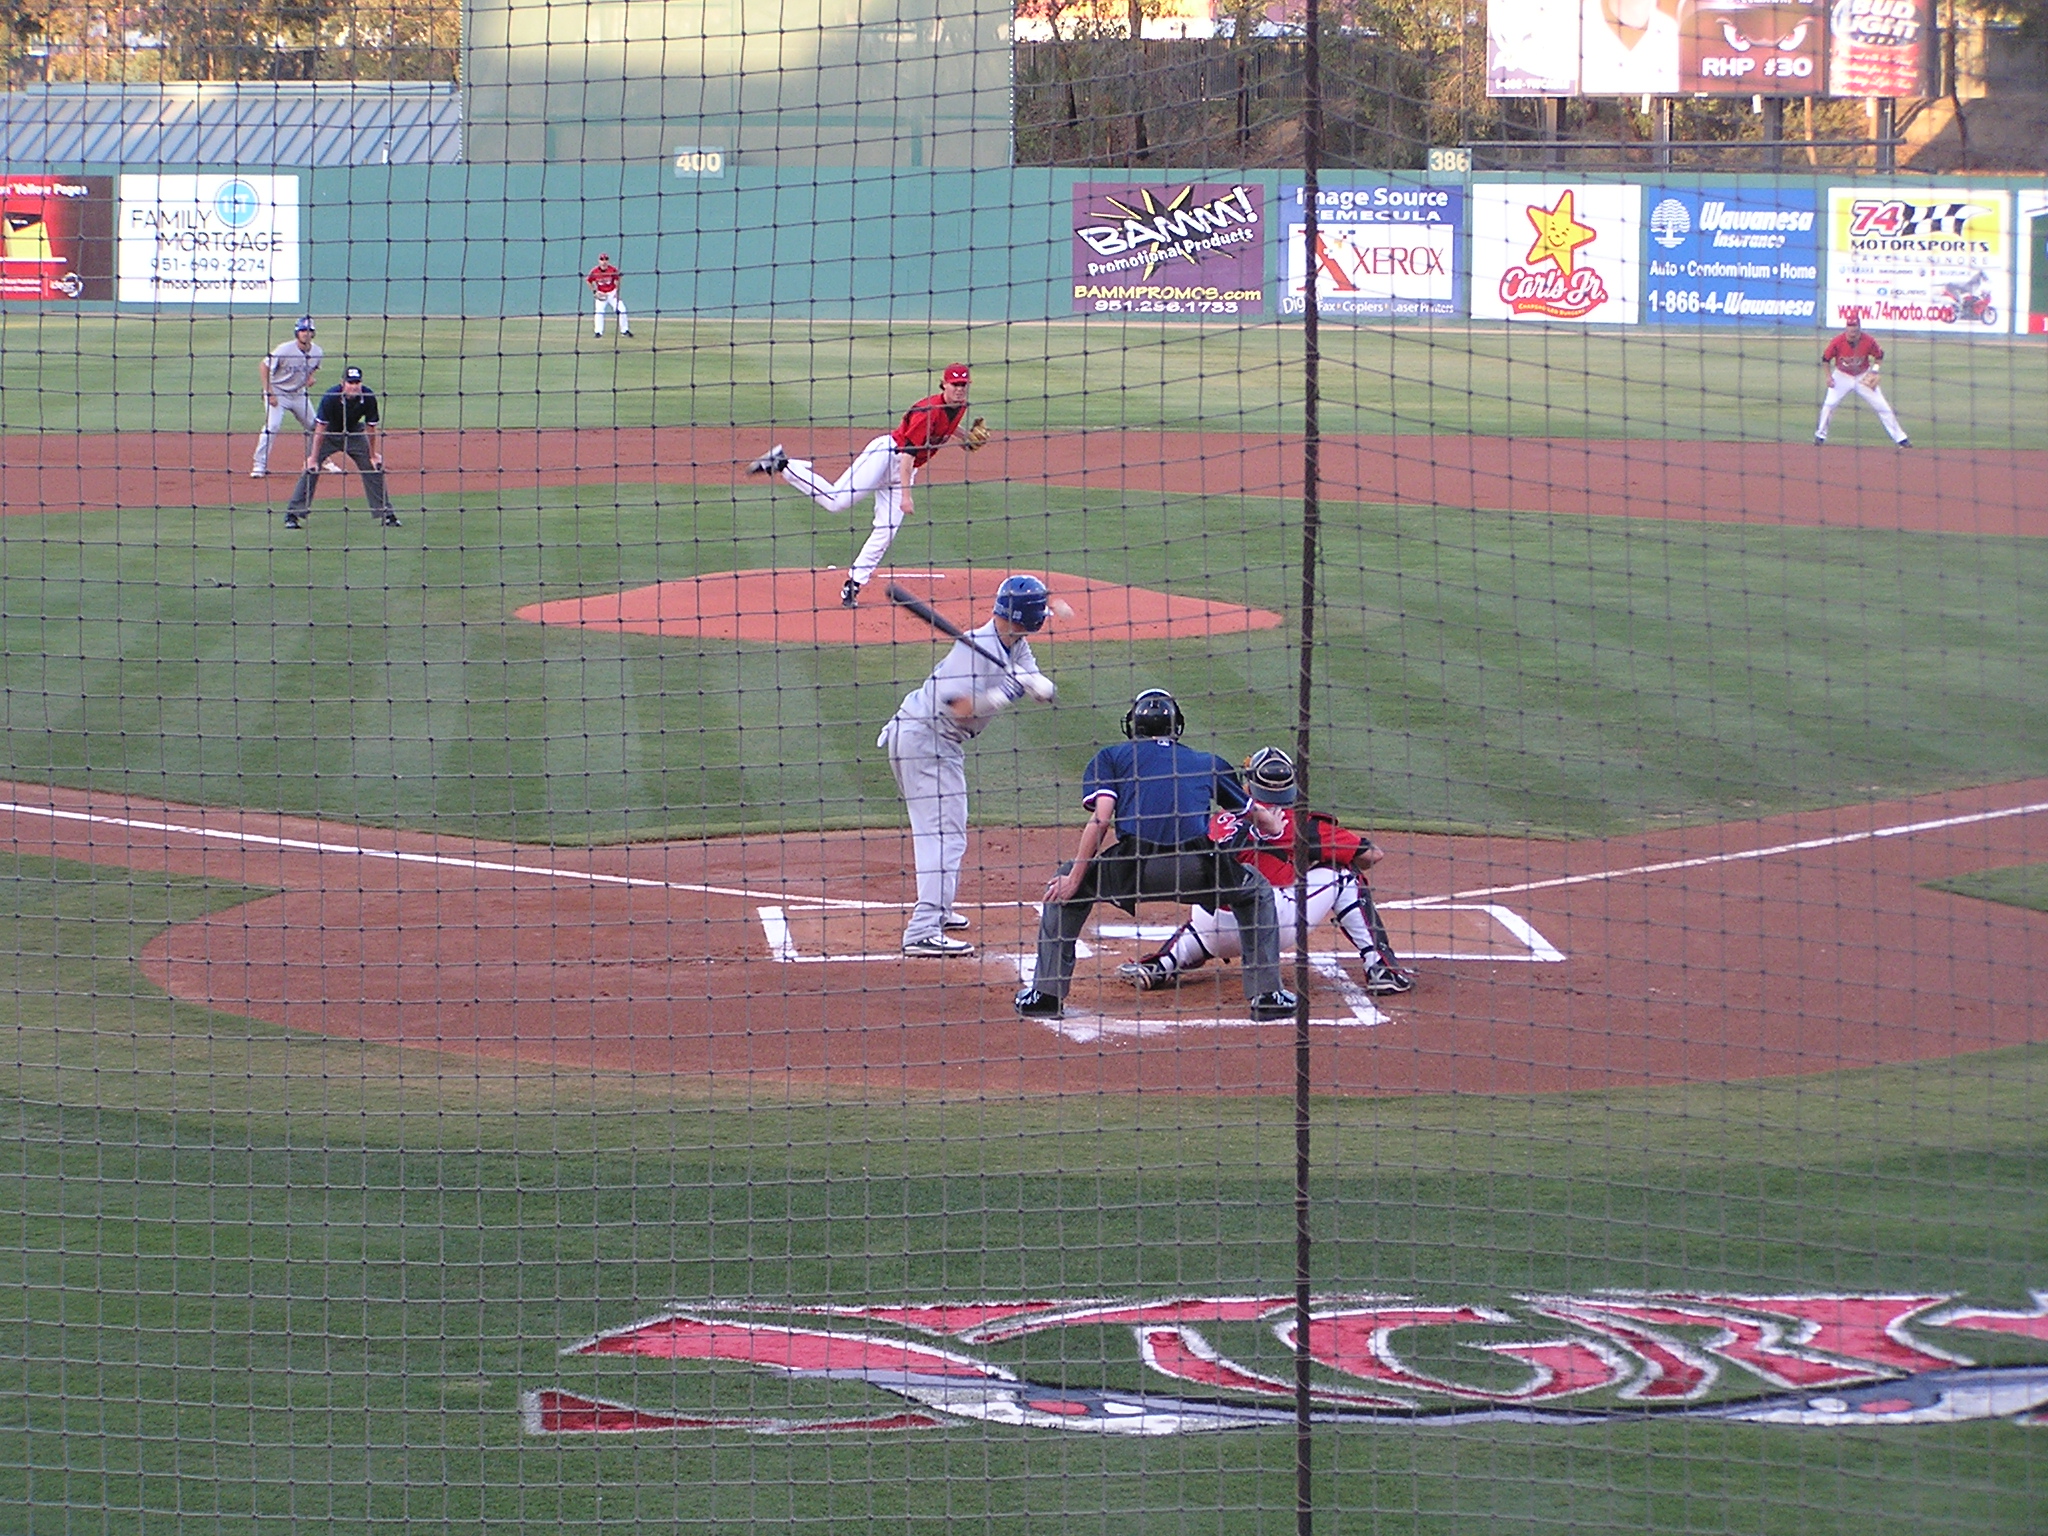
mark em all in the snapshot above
pixel 604 278
pixel 926 426
pixel 1273 857
pixel 1853 357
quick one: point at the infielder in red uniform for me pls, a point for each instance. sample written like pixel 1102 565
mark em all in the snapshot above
pixel 884 470
pixel 1851 360
pixel 604 283
pixel 1263 837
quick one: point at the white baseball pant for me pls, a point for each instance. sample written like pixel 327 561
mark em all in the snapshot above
pixel 1839 386
pixel 879 471
pixel 931 771
pixel 1331 892
pixel 612 302
pixel 287 405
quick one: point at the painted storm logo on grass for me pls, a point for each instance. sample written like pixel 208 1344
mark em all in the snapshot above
pixel 1791 1359
pixel 1567 290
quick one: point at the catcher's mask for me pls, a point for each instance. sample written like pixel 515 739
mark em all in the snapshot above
pixel 1269 773
pixel 1154 713
pixel 1022 600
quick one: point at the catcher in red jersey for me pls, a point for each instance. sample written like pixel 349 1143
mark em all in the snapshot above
pixel 1851 360
pixel 884 469
pixel 1263 837
pixel 604 286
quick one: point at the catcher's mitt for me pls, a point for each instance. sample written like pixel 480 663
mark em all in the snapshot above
pixel 976 436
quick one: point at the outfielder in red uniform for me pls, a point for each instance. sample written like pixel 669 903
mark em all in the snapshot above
pixel 1263 837
pixel 884 469
pixel 604 283
pixel 1851 360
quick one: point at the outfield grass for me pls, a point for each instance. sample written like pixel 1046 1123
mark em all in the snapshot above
pixel 260 1282
pixel 1508 672
pixel 2020 885
pixel 100 373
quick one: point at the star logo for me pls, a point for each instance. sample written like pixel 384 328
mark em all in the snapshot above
pixel 1559 234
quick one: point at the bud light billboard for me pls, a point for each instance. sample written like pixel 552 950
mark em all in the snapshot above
pixel 1736 256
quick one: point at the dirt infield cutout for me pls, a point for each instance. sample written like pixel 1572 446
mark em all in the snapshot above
pixel 802 607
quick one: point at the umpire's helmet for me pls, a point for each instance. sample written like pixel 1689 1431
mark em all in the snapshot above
pixel 1154 713
pixel 1022 600
pixel 1270 773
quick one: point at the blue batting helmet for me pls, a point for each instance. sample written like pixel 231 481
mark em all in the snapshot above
pixel 1022 600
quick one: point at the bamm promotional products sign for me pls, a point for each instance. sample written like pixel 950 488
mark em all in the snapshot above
pixel 209 239
pixel 1920 259
pixel 1204 1363
pixel 1192 249
pixel 58 234
pixel 1739 257
pixel 1557 253
pixel 1380 251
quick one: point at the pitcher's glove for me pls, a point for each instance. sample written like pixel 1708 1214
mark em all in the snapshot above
pixel 976 437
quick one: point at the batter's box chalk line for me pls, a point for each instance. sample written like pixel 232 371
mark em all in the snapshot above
pixel 1356 1008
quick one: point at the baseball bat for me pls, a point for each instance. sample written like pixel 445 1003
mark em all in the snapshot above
pixel 945 626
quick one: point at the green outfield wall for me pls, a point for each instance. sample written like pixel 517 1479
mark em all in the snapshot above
pixel 700 232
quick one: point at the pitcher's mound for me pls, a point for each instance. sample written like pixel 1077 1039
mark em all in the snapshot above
pixel 801 607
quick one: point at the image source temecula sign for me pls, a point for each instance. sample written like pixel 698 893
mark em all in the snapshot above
pixel 219 238
pixel 1381 250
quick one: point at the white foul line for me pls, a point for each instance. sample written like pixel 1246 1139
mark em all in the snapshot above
pixel 1732 858
pixel 398 856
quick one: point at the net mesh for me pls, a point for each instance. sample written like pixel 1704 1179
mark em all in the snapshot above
pixel 551 991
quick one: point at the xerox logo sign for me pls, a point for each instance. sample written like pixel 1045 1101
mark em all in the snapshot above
pixel 1794 1359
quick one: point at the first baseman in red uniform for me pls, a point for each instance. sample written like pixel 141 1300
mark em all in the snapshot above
pixel 884 470
pixel 604 283
pixel 1851 360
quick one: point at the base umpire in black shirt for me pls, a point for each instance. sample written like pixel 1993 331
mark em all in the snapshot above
pixel 345 422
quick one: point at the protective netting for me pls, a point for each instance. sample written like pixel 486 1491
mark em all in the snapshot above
pixel 548 992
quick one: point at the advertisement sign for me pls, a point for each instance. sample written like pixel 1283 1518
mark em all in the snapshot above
pixel 1628 47
pixel 1191 249
pixel 1380 251
pixel 56 237
pixel 1745 256
pixel 2030 295
pixel 1549 252
pixel 1532 47
pixel 221 238
pixel 1920 260
pixel 1840 48
pixel 1773 47
pixel 1879 48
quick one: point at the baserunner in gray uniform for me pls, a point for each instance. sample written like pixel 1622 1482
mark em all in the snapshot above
pixel 926 740
pixel 288 372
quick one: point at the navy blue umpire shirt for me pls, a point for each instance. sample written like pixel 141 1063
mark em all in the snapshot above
pixel 1162 789
pixel 343 415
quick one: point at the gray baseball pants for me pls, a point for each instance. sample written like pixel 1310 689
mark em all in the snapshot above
pixel 1126 875
pixel 931 772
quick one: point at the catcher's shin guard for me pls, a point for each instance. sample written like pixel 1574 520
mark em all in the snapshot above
pixel 1360 920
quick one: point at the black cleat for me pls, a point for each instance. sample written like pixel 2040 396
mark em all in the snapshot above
pixel 1274 1005
pixel 1034 1004
pixel 390 520
pixel 1905 442
pixel 1383 980
pixel 849 594
pixel 293 520
pixel 773 462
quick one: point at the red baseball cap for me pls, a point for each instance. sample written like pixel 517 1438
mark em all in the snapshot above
pixel 957 374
